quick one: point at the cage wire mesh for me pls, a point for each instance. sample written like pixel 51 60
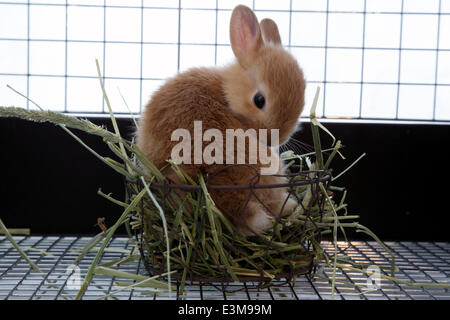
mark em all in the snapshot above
pixel 373 59
pixel 417 261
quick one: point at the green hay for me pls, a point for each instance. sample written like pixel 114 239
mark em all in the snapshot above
pixel 19 249
pixel 201 242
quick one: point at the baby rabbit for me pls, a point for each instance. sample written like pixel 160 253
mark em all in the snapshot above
pixel 263 89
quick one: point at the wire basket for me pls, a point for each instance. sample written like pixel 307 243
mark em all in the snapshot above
pixel 289 249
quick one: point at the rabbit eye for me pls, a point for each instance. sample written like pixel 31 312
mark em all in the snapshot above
pixel 259 100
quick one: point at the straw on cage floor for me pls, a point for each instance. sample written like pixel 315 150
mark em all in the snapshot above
pixel 300 233
pixel 418 262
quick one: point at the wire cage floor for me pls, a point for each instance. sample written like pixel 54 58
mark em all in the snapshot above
pixel 417 262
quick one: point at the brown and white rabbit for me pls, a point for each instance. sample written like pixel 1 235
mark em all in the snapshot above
pixel 263 89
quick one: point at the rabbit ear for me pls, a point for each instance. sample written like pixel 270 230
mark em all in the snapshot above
pixel 270 32
pixel 245 35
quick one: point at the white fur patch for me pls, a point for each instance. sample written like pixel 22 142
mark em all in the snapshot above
pixel 260 222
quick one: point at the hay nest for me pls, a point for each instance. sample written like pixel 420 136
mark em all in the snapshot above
pixel 202 244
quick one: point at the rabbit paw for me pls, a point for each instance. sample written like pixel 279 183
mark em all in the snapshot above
pixel 289 207
pixel 258 220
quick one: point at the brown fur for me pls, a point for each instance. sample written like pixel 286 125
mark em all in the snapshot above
pixel 270 31
pixel 222 98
